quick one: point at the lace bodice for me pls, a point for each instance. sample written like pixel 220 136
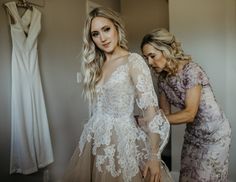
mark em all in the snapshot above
pixel 114 97
pixel 112 125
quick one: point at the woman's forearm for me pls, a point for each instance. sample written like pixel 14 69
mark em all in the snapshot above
pixel 180 117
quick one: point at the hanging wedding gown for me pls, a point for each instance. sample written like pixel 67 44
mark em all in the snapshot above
pixel 112 147
pixel 30 138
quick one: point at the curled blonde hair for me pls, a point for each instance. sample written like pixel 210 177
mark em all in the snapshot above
pixel 92 57
pixel 163 40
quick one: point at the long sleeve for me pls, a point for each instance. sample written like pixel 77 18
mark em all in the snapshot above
pixel 154 123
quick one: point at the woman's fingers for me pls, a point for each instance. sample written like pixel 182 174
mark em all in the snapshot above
pixel 152 170
pixel 145 171
pixel 141 121
pixel 152 178
pixel 157 178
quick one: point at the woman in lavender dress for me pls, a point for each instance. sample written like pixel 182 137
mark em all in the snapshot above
pixel 184 84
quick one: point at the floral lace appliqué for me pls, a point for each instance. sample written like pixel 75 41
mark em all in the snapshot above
pixel 112 129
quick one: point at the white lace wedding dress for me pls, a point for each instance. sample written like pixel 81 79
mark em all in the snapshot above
pixel 112 146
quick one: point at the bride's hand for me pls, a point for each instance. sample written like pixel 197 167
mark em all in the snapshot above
pixel 153 168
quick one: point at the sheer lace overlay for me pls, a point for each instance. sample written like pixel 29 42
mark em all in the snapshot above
pixel 121 147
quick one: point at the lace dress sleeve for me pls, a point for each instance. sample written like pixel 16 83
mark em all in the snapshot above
pixel 154 121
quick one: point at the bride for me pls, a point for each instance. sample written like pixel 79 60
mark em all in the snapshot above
pixel 112 146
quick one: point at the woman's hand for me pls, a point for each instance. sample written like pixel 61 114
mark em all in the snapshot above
pixel 152 169
pixel 140 121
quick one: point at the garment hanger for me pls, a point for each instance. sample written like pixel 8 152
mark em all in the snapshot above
pixel 39 5
pixel 29 3
pixel 24 4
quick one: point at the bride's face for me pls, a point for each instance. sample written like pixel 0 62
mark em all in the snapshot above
pixel 104 34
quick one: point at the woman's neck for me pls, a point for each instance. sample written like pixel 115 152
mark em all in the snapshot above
pixel 175 67
pixel 117 53
pixel 181 65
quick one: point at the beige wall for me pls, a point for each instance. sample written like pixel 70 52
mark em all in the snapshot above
pixel 113 4
pixel 59 60
pixel 141 17
pixel 59 46
pixel 207 30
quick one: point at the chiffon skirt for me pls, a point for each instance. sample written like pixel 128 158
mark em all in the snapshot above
pixel 82 168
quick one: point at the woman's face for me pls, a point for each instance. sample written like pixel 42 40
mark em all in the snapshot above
pixel 104 34
pixel 154 57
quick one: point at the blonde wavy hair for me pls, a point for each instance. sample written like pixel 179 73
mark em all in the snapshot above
pixel 164 41
pixel 92 57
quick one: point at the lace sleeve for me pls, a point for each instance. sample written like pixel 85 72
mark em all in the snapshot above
pixel 154 121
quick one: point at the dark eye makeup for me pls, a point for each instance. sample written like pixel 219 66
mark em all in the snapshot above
pixel 106 29
pixel 94 34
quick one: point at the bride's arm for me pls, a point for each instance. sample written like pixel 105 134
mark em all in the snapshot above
pixel 154 121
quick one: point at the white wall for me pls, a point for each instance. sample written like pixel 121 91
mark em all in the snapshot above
pixel 207 30
pixel 231 77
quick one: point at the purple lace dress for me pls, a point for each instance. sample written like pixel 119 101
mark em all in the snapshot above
pixel 205 152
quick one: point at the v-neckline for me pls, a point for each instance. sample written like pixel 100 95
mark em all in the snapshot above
pixel 20 19
pixel 117 69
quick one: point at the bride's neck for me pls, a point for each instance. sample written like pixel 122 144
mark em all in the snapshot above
pixel 117 53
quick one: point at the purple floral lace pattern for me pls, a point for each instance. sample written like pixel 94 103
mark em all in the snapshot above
pixel 207 140
pixel 193 75
pixel 205 163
